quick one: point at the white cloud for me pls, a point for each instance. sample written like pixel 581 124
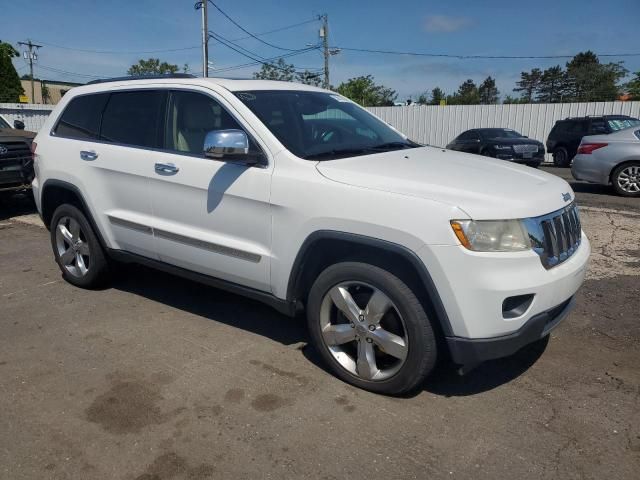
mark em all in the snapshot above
pixel 445 23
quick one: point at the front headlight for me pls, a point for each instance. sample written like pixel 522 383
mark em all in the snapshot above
pixel 502 147
pixel 492 235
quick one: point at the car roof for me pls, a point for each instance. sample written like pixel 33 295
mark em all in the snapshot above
pixel 231 84
pixel 591 117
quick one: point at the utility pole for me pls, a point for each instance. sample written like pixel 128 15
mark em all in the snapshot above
pixel 205 39
pixel 31 56
pixel 324 34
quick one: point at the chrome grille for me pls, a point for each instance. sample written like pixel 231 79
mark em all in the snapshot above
pixel 528 148
pixel 556 236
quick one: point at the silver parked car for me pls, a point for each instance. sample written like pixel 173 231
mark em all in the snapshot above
pixel 611 159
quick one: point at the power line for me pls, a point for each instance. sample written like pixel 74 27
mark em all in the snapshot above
pixel 247 31
pixel 264 61
pixel 288 27
pixel 118 52
pixel 470 57
pixel 57 70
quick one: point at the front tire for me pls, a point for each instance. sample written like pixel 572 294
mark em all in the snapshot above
pixel 626 179
pixel 561 157
pixel 370 328
pixel 76 249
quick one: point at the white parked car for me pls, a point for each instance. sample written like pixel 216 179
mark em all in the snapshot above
pixel 298 197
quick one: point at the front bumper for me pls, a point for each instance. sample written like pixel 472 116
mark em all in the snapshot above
pixel 468 351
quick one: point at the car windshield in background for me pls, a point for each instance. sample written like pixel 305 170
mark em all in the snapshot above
pixel 499 133
pixel 322 126
pixel 4 124
pixel 621 123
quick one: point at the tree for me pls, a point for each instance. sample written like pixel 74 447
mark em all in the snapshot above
pixel 488 92
pixel 588 80
pixel 366 92
pixel 46 95
pixel 467 94
pixel 423 99
pixel 528 84
pixel 552 87
pixel 309 78
pixel 152 66
pixel 10 86
pixel 279 70
pixel 511 100
pixel 633 87
pixel 437 95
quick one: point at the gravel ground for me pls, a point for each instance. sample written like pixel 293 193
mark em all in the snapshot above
pixel 142 381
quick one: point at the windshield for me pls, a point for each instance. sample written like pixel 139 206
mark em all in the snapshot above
pixel 4 124
pixel 321 126
pixel 621 123
pixel 500 133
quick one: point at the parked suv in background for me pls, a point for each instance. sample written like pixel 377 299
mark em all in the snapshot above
pixel 500 143
pixel 298 197
pixel 566 135
pixel 16 161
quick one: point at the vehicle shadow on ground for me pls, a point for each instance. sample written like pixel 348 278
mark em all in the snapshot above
pixel 252 316
pixel 15 205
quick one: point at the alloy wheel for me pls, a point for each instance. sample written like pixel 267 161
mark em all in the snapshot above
pixel 629 179
pixel 72 246
pixel 363 330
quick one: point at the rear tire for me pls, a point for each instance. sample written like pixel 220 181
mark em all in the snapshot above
pixel 385 342
pixel 561 157
pixel 77 250
pixel 626 179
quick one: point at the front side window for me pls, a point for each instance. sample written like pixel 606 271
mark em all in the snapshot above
pixel 81 118
pixel 191 116
pixel 321 126
pixel 134 118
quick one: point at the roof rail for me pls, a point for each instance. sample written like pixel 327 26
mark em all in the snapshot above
pixel 142 77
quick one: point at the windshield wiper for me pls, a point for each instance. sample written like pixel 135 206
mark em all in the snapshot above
pixel 345 152
pixel 394 145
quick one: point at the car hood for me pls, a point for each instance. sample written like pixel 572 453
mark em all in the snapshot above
pixel 484 188
pixel 15 135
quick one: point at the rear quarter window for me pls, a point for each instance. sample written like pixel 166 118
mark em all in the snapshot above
pixel 81 118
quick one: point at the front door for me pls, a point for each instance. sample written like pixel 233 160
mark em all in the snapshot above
pixel 210 216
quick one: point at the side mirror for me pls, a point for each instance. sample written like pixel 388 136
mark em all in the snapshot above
pixel 226 144
pixel 18 124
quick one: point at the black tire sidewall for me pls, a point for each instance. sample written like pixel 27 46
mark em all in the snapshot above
pixel 422 343
pixel 614 180
pixel 98 272
pixel 563 162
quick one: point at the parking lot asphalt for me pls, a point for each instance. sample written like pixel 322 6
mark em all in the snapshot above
pixel 159 378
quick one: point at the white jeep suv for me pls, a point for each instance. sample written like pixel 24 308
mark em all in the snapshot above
pixel 298 197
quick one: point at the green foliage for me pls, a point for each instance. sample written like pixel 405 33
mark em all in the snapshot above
pixel 467 94
pixel 152 66
pixel 423 99
pixel 10 86
pixel 585 79
pixel 279 70
pixel 366 92
pixel 488 92
pixel 633 87
pixel 437 94
pixel 510 100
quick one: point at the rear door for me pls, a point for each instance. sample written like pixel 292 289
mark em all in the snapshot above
pixel 576 131
pixel 210 216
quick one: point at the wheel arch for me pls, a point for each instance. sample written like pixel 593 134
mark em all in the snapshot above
pixel 58 192
pixel 326 247
pixel 621 164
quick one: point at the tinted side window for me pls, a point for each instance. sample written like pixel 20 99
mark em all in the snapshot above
pixel 81 118
pixel 598 125
pixel 191 116
pixel 468 135
pixel 134 118
pixel 578 127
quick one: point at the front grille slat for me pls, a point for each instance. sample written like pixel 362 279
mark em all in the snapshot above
pixel 558 234
pixel 525 148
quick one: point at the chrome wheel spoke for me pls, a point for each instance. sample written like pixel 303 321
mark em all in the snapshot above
pixel 378 305
pixel 338 334
pixel 64 232
pixel 366 363
pixel 390 343
pixel 68 256
pixel 345 303
pixel 80 264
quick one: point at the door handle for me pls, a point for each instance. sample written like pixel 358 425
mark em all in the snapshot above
pixel 88 155
pixel 166 168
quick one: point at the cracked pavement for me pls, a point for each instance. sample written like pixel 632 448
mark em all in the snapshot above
pixel 140 381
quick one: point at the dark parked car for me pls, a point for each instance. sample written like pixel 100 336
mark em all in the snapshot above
pixel 16 160
pixel 501 143
pixel 566 135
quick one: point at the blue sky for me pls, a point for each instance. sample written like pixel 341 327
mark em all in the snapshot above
pixel 488 27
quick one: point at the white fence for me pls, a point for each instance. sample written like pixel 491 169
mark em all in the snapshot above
pixel 33 115
pixel 433 125
pixel 436 125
